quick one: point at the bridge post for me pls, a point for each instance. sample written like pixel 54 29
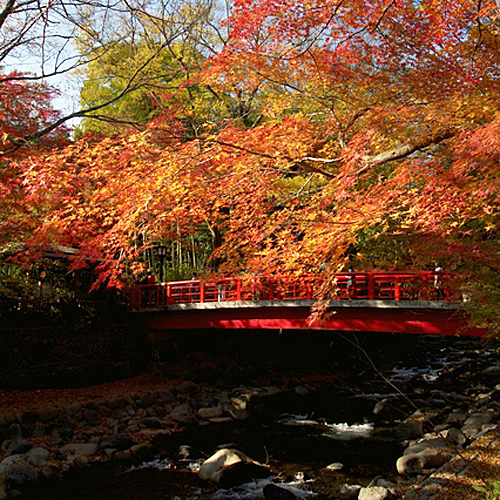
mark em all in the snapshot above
pixel 238 289
pixel 423 278
pixel 371 286
pixel 397 284
pixel 202 293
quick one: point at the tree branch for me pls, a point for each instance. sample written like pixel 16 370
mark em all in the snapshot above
pixel 406 149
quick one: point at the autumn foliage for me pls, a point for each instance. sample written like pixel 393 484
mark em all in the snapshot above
pixel 368 131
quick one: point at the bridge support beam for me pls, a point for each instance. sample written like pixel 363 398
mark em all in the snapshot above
pixel 394 320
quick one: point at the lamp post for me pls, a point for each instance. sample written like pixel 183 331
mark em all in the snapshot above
pixel 162 252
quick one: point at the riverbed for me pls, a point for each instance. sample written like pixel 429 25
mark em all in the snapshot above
pixel 318 442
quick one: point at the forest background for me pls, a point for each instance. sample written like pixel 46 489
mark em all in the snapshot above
pixel 252 137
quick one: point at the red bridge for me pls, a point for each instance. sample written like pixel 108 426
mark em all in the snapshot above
pixel 372 301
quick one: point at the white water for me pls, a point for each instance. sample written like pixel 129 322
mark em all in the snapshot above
pixel 339 431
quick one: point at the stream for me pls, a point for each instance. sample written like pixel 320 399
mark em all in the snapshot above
pixel 319 445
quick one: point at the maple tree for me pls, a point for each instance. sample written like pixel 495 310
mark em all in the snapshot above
pixel 375 139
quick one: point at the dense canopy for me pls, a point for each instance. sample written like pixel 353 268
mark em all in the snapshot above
pixel 273 137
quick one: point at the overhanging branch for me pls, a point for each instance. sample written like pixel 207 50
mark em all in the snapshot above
pixel 406 149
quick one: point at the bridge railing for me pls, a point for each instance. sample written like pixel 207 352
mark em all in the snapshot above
pixel 426 285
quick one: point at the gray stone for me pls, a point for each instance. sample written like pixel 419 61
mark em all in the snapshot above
pixel 18 447
pixel 335 466
pixel 492 371
pixel 38 456
pixel 375 493
pixel 119 442
pixel 210 412
pixel 77 461
pixel 124 455
pixel 17 472
pixel 479 418
pixel 152 423
pixel 87 449
pixel 454 436
pixel 183 414
pixel 429 443
pixel 456 417
pixel 416 463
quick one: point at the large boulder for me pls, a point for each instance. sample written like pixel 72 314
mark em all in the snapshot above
pixel 17 472
pixel 439 443
pixel 230 467
pixel 416 463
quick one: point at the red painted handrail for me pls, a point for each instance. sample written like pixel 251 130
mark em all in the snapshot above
pixel 390 285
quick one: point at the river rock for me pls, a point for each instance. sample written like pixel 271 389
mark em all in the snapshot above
pixel 375 493
pixel 18 447
pixel 210 412
pixel 229 467
pixel 76 461
pixel 454 436
pixel 476 423
pixel 456 417
pixel 17 472
pixel 183 414
pixel 335 466
pixel 416 463
pixel 118 442
pixel 151 422
pixel 86 449
pixel 492 372
pixel 479 418
pixel 38 456
pixel 275 492
pixel 427 444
